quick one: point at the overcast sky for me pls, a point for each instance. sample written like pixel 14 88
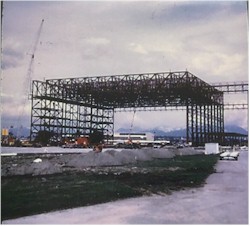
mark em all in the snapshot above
pixel 85 38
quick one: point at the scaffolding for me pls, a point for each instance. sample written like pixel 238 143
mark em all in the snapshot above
pixel 81 105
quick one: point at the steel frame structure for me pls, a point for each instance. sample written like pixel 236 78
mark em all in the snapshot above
pixel 81 105
pixel 233 87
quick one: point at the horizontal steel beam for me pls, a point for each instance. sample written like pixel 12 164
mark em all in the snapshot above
pixel 229 106
pixel 233 87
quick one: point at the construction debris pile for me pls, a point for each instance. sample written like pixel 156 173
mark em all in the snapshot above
pixel 43 164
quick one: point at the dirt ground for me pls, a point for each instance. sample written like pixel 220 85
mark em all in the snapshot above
pixel 49 163
pixel 223 200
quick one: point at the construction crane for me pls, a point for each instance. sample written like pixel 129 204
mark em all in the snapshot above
pixel 28 78
pixel 31 64
pixel 131 127
pixel 132 122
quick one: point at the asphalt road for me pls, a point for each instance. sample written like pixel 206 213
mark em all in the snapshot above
pixel 223 200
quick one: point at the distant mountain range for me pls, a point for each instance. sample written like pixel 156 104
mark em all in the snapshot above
pixel 25 132
pixel 235 129
pixel 156 132
pixel 180 132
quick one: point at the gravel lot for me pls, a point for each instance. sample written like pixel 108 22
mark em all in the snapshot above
pixel 223 200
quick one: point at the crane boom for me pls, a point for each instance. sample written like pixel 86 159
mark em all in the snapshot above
pixel 27 80
pixel 30 68
pixel 131 126
pixel 37 38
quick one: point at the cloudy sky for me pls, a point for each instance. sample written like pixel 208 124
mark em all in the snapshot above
pixel 85 38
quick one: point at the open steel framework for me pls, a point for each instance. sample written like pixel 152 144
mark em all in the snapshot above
pixel 81 105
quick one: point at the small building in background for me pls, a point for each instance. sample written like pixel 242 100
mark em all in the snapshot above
pixel 5 132
pixel 5 137
pixel 135 137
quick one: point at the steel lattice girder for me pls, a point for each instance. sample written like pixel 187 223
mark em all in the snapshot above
pixel 136 90
pixel 88 103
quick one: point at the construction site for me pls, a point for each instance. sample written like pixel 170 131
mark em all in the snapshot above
pixel 70 110
pixel 71 106
pixel 73 160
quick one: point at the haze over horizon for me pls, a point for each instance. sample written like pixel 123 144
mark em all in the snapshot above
pixel 86 38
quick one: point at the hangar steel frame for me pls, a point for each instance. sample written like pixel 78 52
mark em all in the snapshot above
pixel 73 106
